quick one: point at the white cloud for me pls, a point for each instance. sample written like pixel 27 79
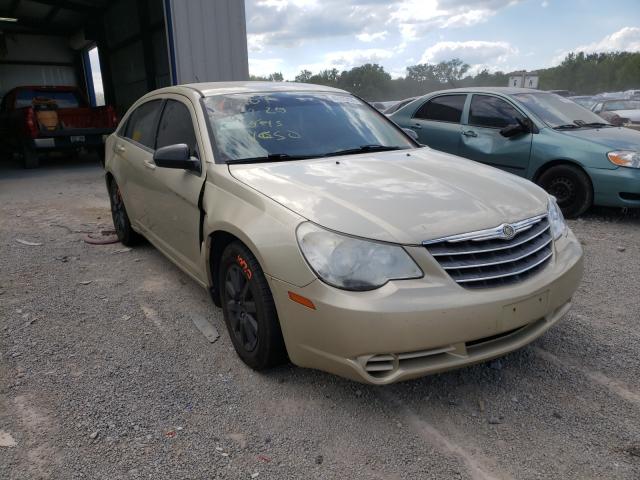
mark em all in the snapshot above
pixel 265 66
pixel 626 39
pixel 474 52
pixel 294 22
pixel 346 59
pixel 255 42
pixel 371 37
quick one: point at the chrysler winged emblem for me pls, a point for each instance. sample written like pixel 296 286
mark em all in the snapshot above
pixel 508 232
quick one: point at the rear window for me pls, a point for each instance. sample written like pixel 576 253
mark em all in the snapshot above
pixel 59 99
pixel 142 124
pixel 445 108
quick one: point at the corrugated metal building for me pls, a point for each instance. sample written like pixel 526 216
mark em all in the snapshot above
pixel 142 44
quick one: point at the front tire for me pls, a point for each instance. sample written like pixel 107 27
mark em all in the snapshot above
pixel 121 222
pixel 249 310
pixel 571 187
pixel 30 157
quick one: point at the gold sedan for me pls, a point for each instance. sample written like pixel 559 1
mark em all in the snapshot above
pixel 330 237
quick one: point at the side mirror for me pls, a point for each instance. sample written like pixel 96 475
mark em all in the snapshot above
pixel 176 156
pixel 521 126
pixel 411 133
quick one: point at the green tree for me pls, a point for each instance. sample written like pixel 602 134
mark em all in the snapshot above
pixel 276 77
pixel 369 81
pixel 304 76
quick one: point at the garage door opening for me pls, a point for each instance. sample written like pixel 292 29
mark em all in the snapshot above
pixel 95 87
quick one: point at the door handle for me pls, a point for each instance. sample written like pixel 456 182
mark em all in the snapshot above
pixel 416 126
pixel 119 149
pixel 469 133
pixel 150 165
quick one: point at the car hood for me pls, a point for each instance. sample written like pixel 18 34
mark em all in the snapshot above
pixel 633 115
pixel 617 138
pixel 396 196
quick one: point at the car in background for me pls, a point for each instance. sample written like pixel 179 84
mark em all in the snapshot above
pixel 572 153
pixel 398 105
pixel 562 93
pixel 620 112
pixel 331 238
pixel 587 101
pixel 632 94
pixel 40 119
pixel 382 106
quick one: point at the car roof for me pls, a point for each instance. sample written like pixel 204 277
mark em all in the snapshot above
pixel 502 90
pixel 217 88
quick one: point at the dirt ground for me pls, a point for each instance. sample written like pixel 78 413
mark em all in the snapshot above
pixel 104 373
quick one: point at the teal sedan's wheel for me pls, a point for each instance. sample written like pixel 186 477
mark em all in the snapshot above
pixel 121 222
pixel 249 310
pixel 571 187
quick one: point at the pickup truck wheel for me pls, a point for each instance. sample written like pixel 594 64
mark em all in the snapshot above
pixel 571 187
pixel 121 223
pixel 249 310
pixel 29 157
pixel 101 156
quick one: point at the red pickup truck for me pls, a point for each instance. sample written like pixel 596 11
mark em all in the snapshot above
pixel 40 119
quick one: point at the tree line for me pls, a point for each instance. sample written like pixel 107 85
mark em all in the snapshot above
pixel 581 73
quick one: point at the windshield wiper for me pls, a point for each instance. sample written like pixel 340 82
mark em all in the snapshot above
pixel 567 126
pixel 597 124
pixel 272 157
pixel 364 149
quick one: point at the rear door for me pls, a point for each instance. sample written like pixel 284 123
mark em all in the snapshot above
pixel 173 200
pixel 481 139
pixel 437 122
pixel 133 156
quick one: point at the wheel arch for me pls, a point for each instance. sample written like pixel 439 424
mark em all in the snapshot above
pixel 218 240
pixel 560 161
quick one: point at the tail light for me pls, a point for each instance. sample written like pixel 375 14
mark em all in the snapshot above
pixel 30 122
pixel 111 115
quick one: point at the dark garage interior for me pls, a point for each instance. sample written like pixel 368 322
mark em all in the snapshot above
pixel 47 42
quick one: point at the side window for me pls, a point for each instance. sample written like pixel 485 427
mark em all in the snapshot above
pixel 176 126
pixel 142 123
pixel 492 112
pixel 445 108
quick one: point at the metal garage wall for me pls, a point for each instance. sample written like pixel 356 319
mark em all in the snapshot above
pixel 36 60
pixel 209 40
pixel 135 48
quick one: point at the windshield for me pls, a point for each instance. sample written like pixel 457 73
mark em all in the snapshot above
pixel 622 105
pixel 60 98
pixel 290 125
pixel 557 111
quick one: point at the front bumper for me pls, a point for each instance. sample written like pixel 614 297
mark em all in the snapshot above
pixel 616 187
pixel 412 328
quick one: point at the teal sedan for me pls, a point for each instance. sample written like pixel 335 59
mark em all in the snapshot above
pixel 571 152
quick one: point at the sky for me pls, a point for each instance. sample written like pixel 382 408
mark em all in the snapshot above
pixel 291 35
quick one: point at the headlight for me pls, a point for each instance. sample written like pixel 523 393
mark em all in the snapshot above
pixel 351 263
pixel 625 158
pixel 556 219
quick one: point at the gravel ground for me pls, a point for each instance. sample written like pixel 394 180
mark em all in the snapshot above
pixel 103 373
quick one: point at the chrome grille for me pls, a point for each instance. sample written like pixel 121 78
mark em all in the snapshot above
pixel 487 259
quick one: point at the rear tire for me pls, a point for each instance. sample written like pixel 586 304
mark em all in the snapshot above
pixel 121 223
pixel 571 187
pixel 30 157
pixel 249 310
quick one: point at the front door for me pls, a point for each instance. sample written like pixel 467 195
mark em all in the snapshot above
pixel 174 211
pixel 437 122
pixel 481 139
